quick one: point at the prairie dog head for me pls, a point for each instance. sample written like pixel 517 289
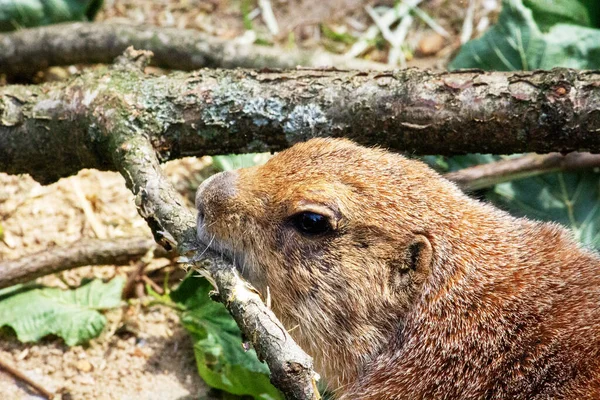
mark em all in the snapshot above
pixel 342 235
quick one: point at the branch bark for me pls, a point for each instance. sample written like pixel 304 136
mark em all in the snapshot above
pixel 54 130
pixel 174 226
pixel 82 253
pixel 486 175
pixel 24 52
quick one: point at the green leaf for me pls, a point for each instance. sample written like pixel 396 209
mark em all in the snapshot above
pixel 70 314
pixel 516 42
pixel 571 47
pixel 593 9
pixel 572 199
pixel 235 161
pixel 28 13
pixel 221 360
pixel 549 12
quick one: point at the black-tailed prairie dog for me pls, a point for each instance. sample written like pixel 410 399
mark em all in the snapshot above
pixel 402 287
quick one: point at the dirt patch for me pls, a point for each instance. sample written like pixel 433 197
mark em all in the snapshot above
pixel 144 353
pixel 155 363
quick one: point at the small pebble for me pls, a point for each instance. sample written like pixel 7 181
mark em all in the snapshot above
pixel 430 44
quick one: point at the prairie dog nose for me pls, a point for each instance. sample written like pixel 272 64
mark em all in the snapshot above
pixel 215 191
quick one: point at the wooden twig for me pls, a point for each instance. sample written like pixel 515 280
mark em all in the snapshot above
pixel 85 252
pixel 486 175
pixel 24 378
pixel 89 213
pixel 268 16
pixel 467 28
pixel 140 293
pixel 430 22
pixel 133 279
pixel 152 284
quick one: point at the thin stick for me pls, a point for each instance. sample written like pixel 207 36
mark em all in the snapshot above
pixel 387 19
pixel 486 175
pixel 24 378
pixel 467 28
pixel 133 279
pixel 430 22
pixel 268 16
pixel 152 284
pixel 90 215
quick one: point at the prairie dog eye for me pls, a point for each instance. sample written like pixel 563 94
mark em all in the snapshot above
pixel 311 223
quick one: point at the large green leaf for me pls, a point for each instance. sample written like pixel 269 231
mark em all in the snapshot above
pixel 549 12
pixel 28 13
pixel 222 361
pixel 516 42
pixel 573 199
pixel 70 314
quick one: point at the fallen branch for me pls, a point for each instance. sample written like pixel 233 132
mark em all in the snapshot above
pixel 82 253
pixel 26 51
pixel 486 175
pixel 24 378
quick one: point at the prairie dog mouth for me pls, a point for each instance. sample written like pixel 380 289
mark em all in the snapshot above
pixel 210 241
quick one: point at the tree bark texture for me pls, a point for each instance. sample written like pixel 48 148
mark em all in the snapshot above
pixel 24 52
pixel 56 129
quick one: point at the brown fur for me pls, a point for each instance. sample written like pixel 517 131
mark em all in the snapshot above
pixel 420 292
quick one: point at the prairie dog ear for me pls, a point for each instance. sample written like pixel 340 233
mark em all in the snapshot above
pixel 410 269
pixel 420 254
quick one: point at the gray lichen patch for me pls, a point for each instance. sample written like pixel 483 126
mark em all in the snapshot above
pixel 263 111
pixel 11 112
pixel 304 122
pixel 48 109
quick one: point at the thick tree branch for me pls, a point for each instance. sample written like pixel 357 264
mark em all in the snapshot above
pixel 486 175
pixel 54 130
pixel 26 51
pixel 82 253
pixel 174 226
